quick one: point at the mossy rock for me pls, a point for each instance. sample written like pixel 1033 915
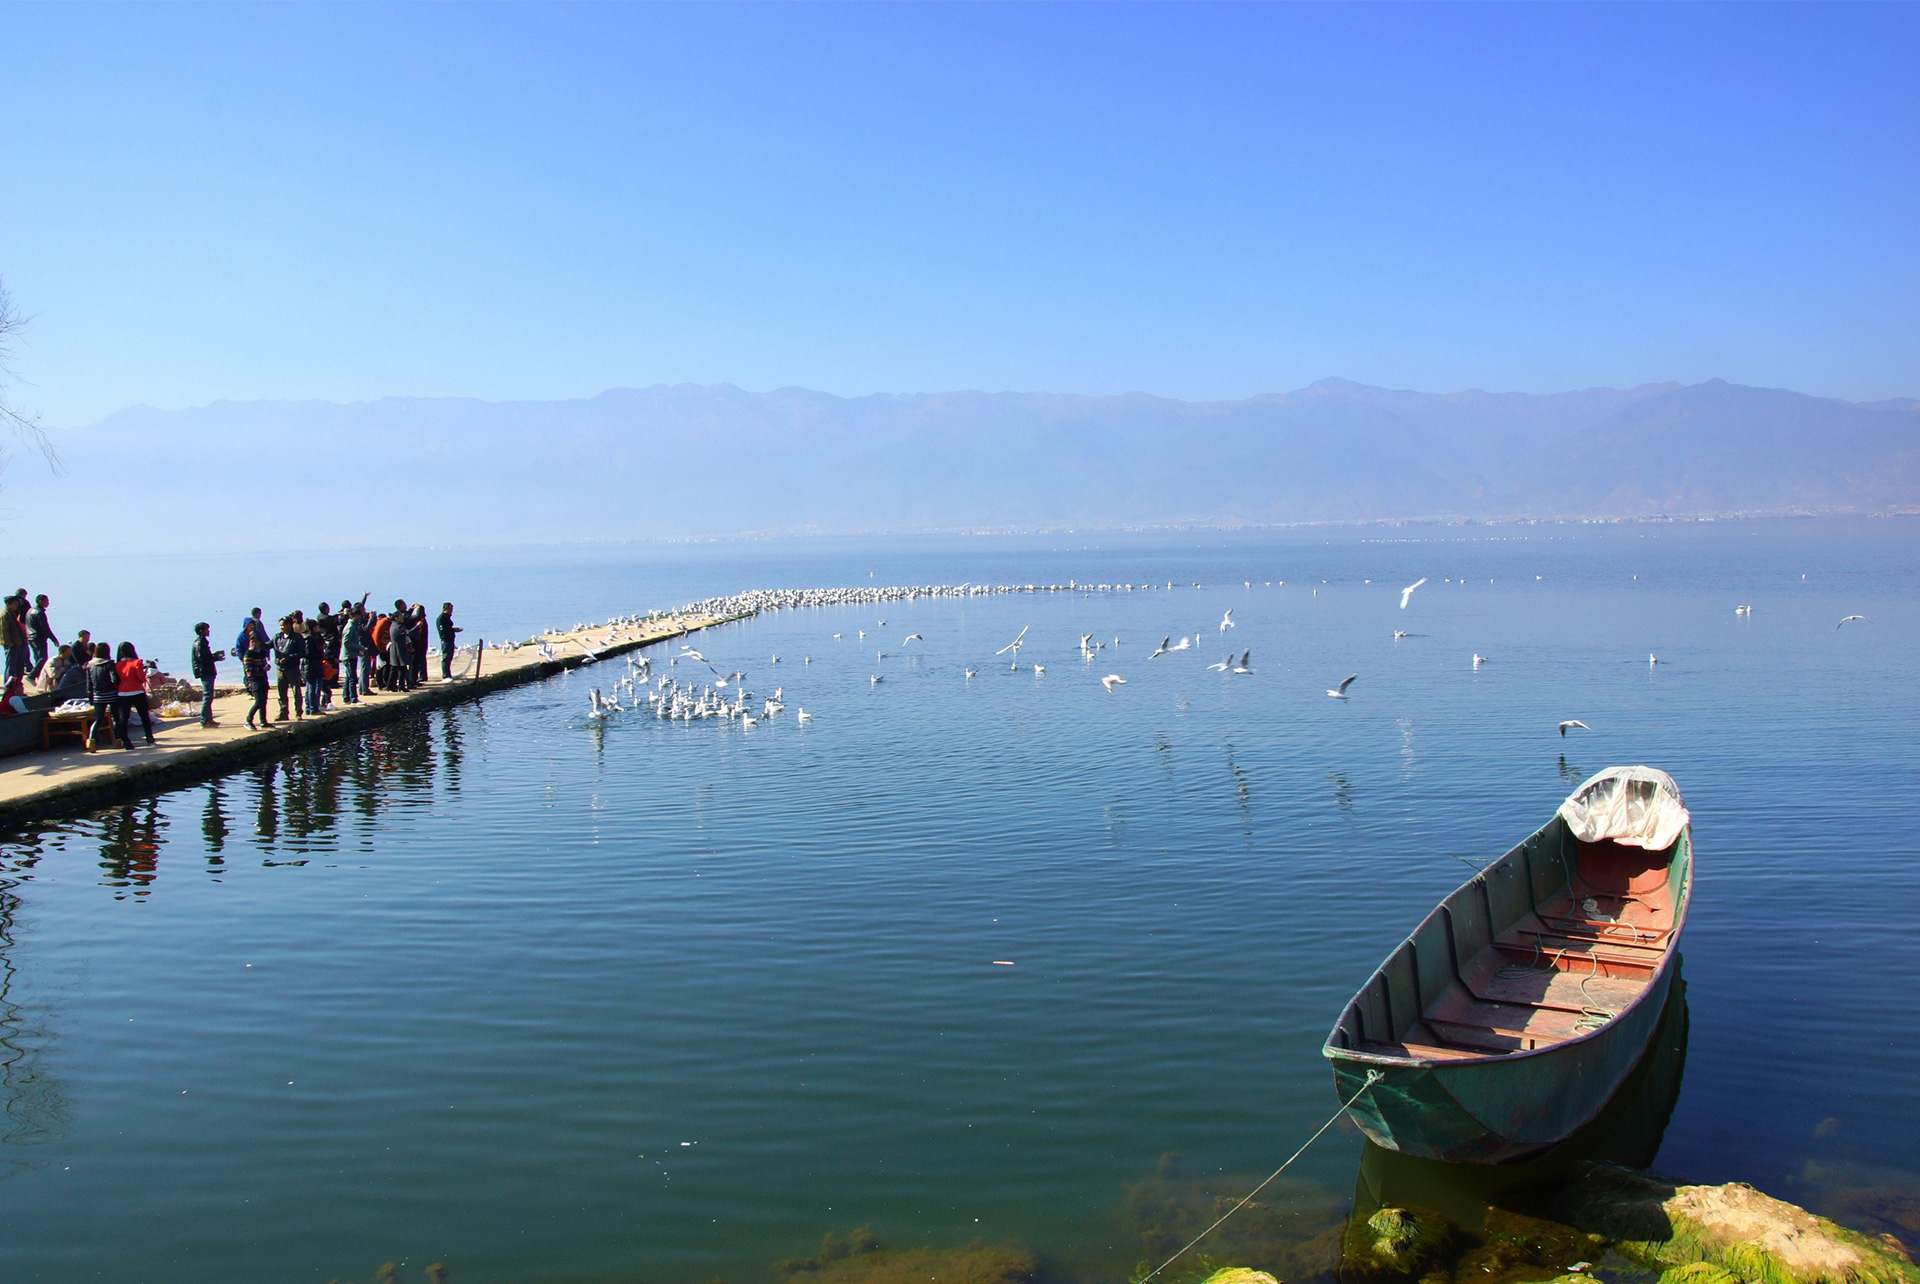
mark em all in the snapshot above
pixel 1239 1275
pixel 1747 1235
pixel 1403 1242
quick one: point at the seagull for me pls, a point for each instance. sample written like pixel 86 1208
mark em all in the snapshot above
pixel 883 624
pixel 1652 659
pixel 1086 641
pixel 1243 667
pixel 1113 680
pixel 1398 634
pixel 1013 646
pixel 1743 610
pixel 1226 621
pixel 971 672
pixel 1340 692
pixel 804 716
pixel 861 632
pixel 1851 618
pixel 913 637
pixel 689 653
pixel 1406 594
pixel 1478 659
pixel 1039 668
pixel 836 637
pixel 879 655
pixel 1163 648
pixel 1572 722
pixel 776 659
pixel 1184 644
pixel 874 678
pixel 1223 666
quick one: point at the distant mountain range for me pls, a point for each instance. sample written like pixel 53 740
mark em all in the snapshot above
pixel 697 461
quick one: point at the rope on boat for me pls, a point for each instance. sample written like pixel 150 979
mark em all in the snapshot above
pixel 1373 1077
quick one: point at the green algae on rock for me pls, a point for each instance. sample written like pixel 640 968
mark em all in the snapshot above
pixel 1239 1275
pixel 1734 1228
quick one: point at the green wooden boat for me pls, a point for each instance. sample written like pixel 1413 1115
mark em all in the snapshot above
pixel 1510 1016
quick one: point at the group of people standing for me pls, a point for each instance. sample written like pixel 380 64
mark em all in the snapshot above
pixel 352 650
pixel 112 679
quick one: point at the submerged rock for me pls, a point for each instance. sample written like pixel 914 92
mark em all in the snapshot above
pixel 1398 1243
pixel 1239 1275
pixel 1719 1234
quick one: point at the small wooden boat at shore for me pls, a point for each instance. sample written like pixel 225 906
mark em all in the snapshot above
pixel 1510 1016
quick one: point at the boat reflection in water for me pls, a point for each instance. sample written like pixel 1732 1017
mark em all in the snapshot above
pixel 1463 1216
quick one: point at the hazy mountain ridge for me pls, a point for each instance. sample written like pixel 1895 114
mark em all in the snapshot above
pixel 687 460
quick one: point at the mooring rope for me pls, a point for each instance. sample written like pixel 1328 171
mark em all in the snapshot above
pixel 1373 1077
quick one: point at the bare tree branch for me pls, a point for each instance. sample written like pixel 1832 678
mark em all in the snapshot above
pixel 14 420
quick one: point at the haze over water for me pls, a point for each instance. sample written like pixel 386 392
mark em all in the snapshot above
pixel 460 989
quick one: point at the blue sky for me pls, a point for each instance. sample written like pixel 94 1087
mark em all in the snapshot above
pixel 346 203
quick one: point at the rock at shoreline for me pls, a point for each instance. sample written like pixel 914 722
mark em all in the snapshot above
pixel 1722 1234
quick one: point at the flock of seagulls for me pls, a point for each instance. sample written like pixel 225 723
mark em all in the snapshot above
pixel 725 697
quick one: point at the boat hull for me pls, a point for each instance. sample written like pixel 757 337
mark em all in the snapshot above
pixel 1491 1111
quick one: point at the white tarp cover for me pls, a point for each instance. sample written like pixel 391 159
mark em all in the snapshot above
pixel 1634 806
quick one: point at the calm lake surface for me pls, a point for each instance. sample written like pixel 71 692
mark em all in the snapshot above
pixel 549 1000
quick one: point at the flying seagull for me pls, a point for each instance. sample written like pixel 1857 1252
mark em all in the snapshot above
pixel 1572 722
pixel 1163 648
pixel 1113 680
pixel 1223 666
pixel 1013 646
pixel 1226 621
pixel 1851 618
pixel 1243 667
pixel 1406 594
pixel 913 637
pixel 1340 692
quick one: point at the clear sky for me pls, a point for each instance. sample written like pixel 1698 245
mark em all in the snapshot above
pixel 346 203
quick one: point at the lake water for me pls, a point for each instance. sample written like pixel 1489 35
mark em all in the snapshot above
pixel 548 1000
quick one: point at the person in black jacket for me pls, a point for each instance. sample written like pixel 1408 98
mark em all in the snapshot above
pixel 103 689
pixel 39 634
pixel 289 648
pixel 205 662
pixel 447 631
pixel 253 666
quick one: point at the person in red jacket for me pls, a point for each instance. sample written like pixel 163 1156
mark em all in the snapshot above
pixel 131 672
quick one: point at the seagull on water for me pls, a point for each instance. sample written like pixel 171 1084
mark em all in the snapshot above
pixel 1340 692
pixel 1406 594
pixel 1398 634
pixel 1572 722
pixel 1243 666
pixel 804 716
pixel 1163 648
pixel 1849 619
pixel 1113 680
pixel 1039 668
pixel 971 672
pixel 874 678
pixel 1226 621
pixel 836 637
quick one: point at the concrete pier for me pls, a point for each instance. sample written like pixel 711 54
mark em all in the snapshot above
pixel 67 780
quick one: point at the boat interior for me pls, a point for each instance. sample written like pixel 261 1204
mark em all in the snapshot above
pixel 1546 944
